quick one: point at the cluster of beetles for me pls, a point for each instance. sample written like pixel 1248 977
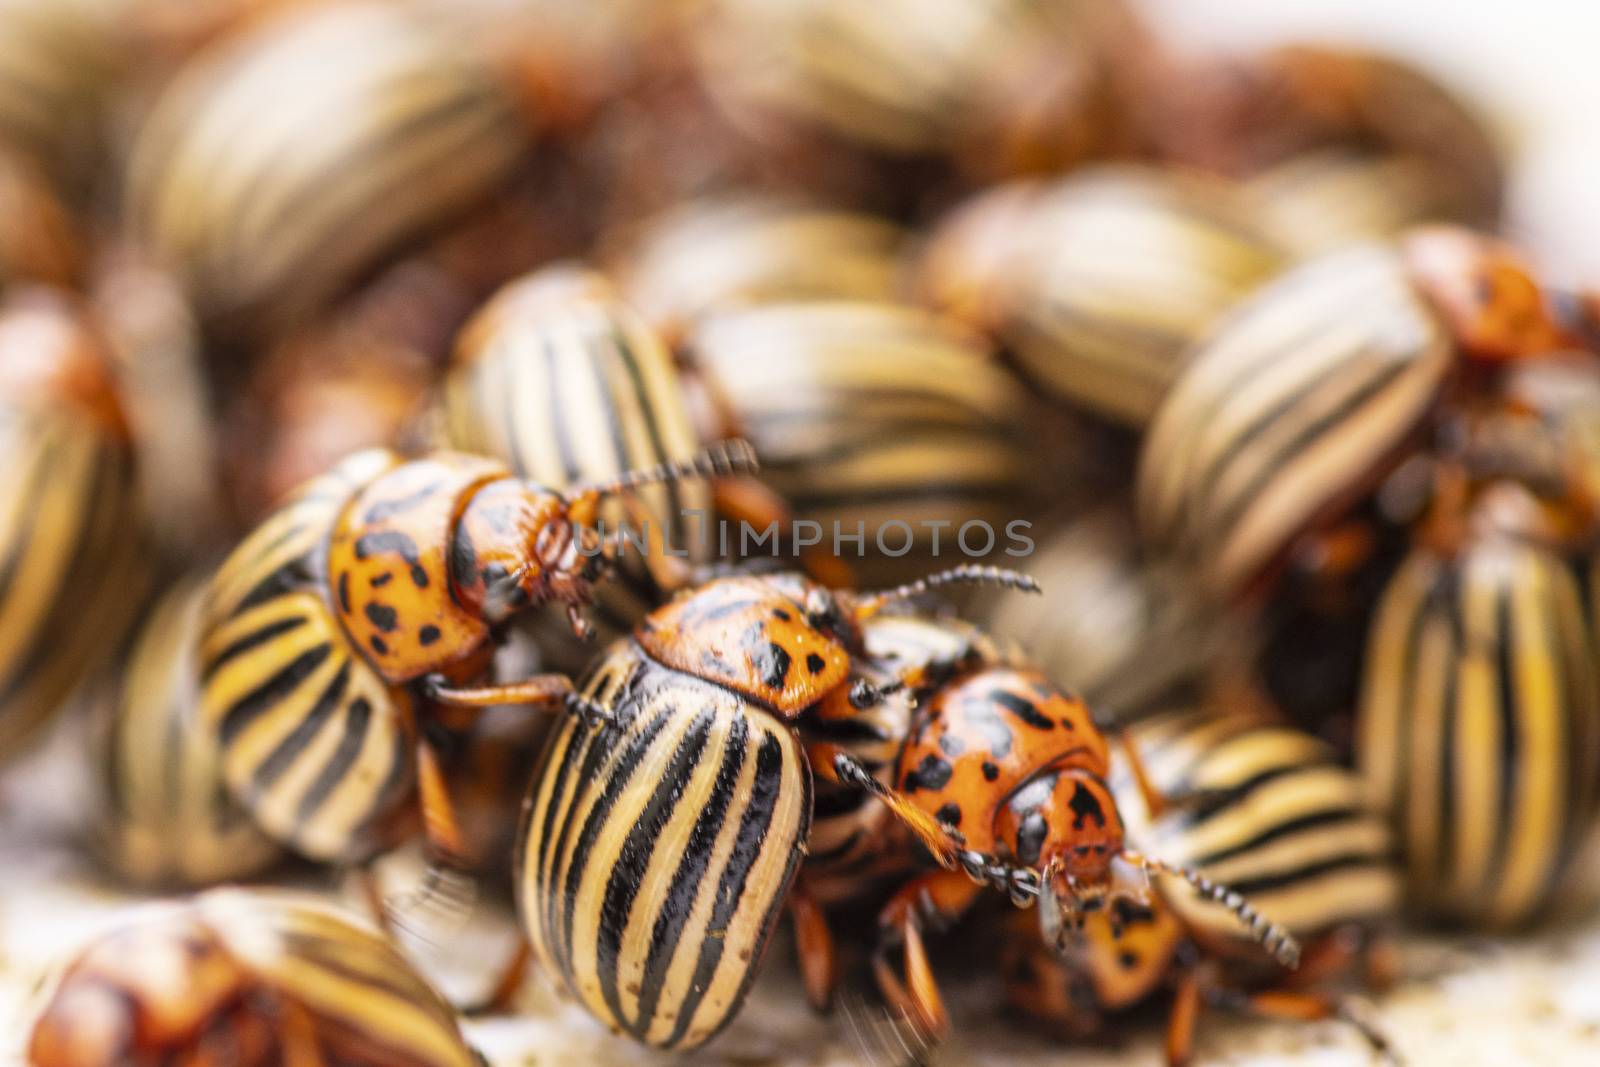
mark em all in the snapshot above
pixel 346 344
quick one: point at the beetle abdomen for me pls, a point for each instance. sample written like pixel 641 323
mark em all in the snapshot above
pixel 1480 727
pixel 314 744
pixel 657 850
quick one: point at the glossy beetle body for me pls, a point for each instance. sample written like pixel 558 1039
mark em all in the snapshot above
pixel 1479 726
pixel 168 819
pixel 1263 807
pixel 1096 284
pixel 878 415
pixel 73 569
pixel 411 130
pixel 250 978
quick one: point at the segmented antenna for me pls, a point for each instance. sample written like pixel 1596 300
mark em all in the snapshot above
pixel 733 456
pixel 966 573
pixel 1269 935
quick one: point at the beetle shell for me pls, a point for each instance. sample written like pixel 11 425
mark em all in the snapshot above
pixel 259 977
pixel 658 849
pixel 873 414
pixel 369 125
pixel 168 819
pixel 1479 727
pixel 1117 270
pixel 1289 411
pixel 315 744
pixel 73 570
pixel 736 251
pixel 1266 810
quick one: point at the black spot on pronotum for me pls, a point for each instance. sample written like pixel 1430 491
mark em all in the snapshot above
pixel 772 662
pixel 379 645
pixel 1030 838
pixel 381 580
pixel 369 545
pixel 428 635
pixel 990 771
pixel 951 745
pixel 815 663
pixel 382 616
pixel 1128 960
pixel 949 814
pixel 780 613
pixel 419 575
pixel 932 773
pixel 344 591
pixel 1085 805
pixel 1022 709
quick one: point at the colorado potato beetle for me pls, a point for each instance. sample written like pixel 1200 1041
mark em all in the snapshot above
pixel 1262 807
pixel 247 978
pixel 1097 283
pixel 875 421
pixel 167 818
pixel 1014 774
pixel 663 836
pixel 1479 724
pixel 72 560
pixel 340 630
pixel 265 221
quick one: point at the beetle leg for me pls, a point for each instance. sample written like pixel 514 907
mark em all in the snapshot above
pixel 1155 802
pixel 819 968
pixel 748 500
pixel 297 1035
pixel 439 824
pixel 939 896
pixel 831 764
pixel 1299 1006
pixel 545 691
pixel 1181 1022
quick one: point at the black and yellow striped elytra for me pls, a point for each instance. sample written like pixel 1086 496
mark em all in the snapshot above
pixel 168 818
pixel 1479 727
pixel 1288 412
pixel 658 848
pixel 73 565
pixel 314 742
pixel 1267 810
pixel 276 172
pixel 1110 276
pixel 562 381
pixel 874 414
pixel 255 977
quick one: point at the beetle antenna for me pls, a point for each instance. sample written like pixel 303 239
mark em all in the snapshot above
pixel 733 456
pixel 1264 932
pixel 964 574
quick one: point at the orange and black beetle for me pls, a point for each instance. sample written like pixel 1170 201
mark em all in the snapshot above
pixel 340 630
pixel 1012 772
pixel 663 835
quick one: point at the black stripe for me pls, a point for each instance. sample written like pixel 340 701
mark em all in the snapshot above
pixel 261 699
pixel 638 746
pixel 339 764
pixel 251 640
pixel 578 733
pixel 1287 828
pixel 758 812
pixel 1510 719
pixel 554 403
pixel 675 519
pixel 295 743
pixel 1257 887
pixel 686 880
pixel 633 858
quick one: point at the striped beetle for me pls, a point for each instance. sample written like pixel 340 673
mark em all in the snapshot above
pixel 1268 810
pixel 1296 407
pixel 341 630
pixel 662 837
pixel 246 978
pixel 1013 775
pixel 1096 284
pixel 167 817
pixel 71 570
